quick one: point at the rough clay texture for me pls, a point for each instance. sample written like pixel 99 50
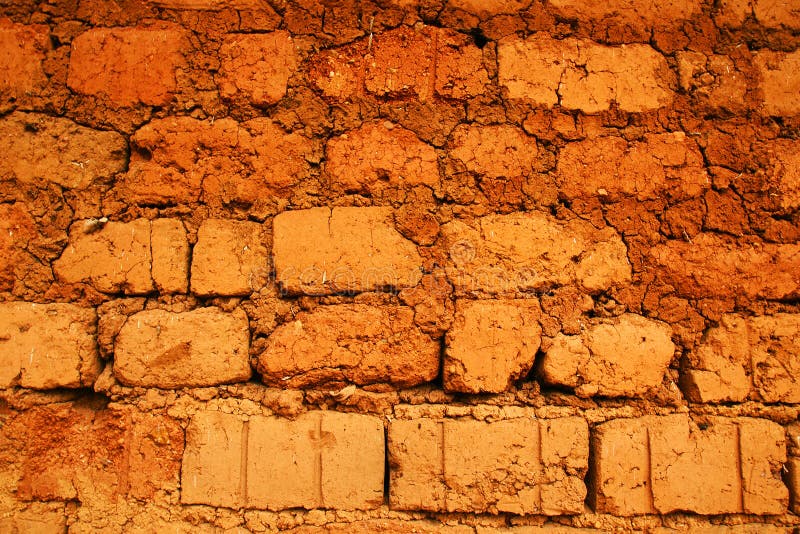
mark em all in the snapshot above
pixel 400 266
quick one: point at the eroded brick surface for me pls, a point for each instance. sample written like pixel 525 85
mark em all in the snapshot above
pixel 622 356
pixel 713 79
pixel 133 258
pixel 768 13
pixel 322 250
pixel 349 343
pixel 521 466
pixel 658 464
pixel 58 150
pixel 319 460
pixel 494 151
pixel 506 254
pixel 582 75
pixel 647 12
pixel 183 160
pixel 46 346
pixel 22 51
pixel 203 347
pixel 746 357
pixel 127 66
pixel 491 344
pixel 229 258
pixel 379 155
pixel 657 166
pixel 780 81
pixel 711 266
pixel 256 66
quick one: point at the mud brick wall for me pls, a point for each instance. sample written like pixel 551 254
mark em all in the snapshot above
pixel 400 266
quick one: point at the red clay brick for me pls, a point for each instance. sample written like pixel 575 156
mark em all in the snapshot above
pixel 256 67
pixel 379 155
pixel 582 75
pixel 658 464
pixel 59 151
pixel 521 466
pixel 494 151
pixel 646 12
pixel 657 166
pixel 127 66
pixel 491 344
pixel 229 258
pixel 711 266
pixel 784 173
pixel 714 79
pixel 319 460
pixel 207 5
pixel 47 346
pixel 157 348
pixel 509 254
pixel 746 357
pixel 22 51
pixel 793 479
pixel 767 13
pixel 17 230
pixel 321 251
pixel 349 343
pixel 622 356
pixel 185 160
pixel 780 81
pixel 122 258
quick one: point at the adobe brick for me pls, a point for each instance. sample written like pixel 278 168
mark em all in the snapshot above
pixel 620 356
pixel 521 252
pixel 47 346
pixel 780 81
pixel 768 13
pixel 40 517
pixel 746 357
pixel 127 66
pixel 491 344
pixel 784 173
pixel 715 79
pixel 494 151
pixel 349 343
pixel 659 464
pixel 322 251
pixel 207 5
pixel 157 348
pixel 384 526
pixel 648 12
pixel 134 258
pixel 318 460
pixel 229 258
pixel 612 168
pixel 58 150
pixel 378 155
pixel 256 67
pixel 185 160
pixel 583 75
pixel 793 479
pixel 521 466
pixel 17 231
pixel 22 51
pixel 713 267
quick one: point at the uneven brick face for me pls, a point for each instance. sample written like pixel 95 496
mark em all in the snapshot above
pixel 207 5
pixel 648 12
pixel 713 79
pixel 521 252
pixel 122 258
pixel 521 466
pixel 379 155
pixel 37 518
pixel 658 464
pixel 256 66
pixel 785 172
pixel 319 460
pixel 59 151
pixel 17 229
pixel 711 266
pixel 47 346
pixel 229 258
pixel 793 479
pixel 185 160
pixel 656 166
pixel 489 7
pixel 322 251
pixel 622 356
pixel 384 526
pixel 769 13
pixel 746 357
pixel 127 66
pixel 494 151
pixel 583 75
pixel 349 343
pixel 402 63
pixel 780 81
pixel 72 451
pixel 22 51
pixel 491 344
pixel 157 348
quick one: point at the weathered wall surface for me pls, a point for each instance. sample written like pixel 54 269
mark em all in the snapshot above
pixel 399 266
